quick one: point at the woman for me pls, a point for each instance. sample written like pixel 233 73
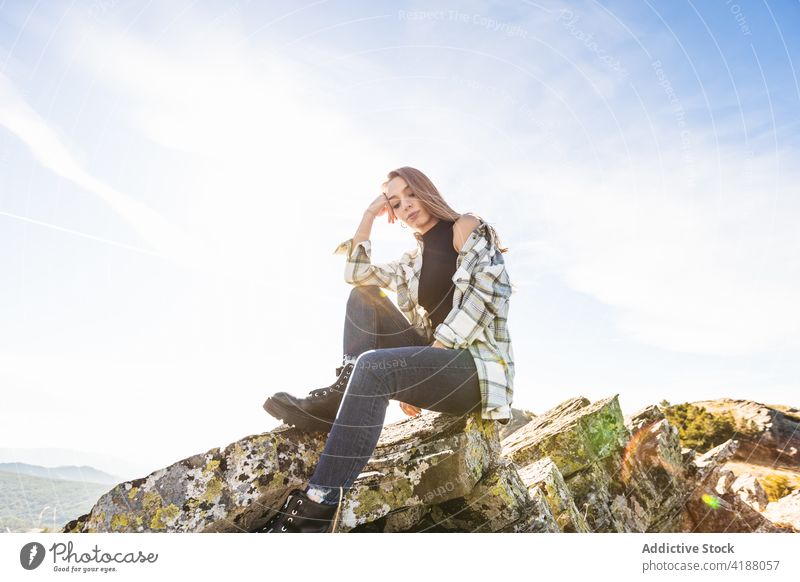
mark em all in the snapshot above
pixel 446 349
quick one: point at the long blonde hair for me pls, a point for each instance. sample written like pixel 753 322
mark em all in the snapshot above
pixel 422 187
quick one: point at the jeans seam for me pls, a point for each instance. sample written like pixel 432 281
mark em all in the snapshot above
pixel 364 434
pixel 364 437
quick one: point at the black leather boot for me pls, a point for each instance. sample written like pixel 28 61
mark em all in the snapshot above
pixel 317 411
pixel 299 514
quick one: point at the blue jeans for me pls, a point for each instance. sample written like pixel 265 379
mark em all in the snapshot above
pixel 394 363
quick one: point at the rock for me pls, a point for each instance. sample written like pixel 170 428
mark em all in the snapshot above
pixel 653 478
pixel 228 489
pixel 575 435
pixel 726 477
pixel 785 511
pixel 750 491
pixel 708 511
pixel 777 441
pixel 647 415
pixel 579 467
pixel 746 487
pixel 498 500
pixel 424 460
pixel 538 520
pixel 543 476
pixel 712 461
pixel 585 440
pixel 405 518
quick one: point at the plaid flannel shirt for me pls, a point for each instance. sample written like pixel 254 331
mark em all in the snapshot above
pixel 478 319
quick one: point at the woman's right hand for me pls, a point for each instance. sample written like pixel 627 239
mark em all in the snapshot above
pixel 379 207
pixel 410 409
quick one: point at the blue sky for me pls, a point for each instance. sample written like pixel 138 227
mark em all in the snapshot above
pixel 174 180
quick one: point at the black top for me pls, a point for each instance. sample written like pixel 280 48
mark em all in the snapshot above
pixel 438 265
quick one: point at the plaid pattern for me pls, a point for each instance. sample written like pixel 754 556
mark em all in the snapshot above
pixel 478 319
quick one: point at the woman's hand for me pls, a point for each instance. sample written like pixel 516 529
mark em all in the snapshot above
pixel 380 206
pixel 438 344
pixel 410 409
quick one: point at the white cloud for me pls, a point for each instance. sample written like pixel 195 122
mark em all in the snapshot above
pixel 48 148
pixel 690 269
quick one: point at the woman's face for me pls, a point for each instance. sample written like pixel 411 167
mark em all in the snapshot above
pixel 408 207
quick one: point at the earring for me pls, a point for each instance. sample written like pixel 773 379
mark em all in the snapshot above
pixel 403 224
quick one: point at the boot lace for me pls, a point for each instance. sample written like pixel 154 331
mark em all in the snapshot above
pixel 293 512
pixel 338 386
pixel 282 511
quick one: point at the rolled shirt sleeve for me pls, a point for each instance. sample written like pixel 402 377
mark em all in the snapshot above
pixel 359 270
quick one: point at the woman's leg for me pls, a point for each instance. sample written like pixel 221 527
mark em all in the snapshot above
pixel 372 321
pixel 443 380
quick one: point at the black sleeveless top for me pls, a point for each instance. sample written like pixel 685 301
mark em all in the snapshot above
pixel 438 265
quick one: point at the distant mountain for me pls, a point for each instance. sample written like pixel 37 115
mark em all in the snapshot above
pixel 126 467
pixel 64 473
pixel 31 502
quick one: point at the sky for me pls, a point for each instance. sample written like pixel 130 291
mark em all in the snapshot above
pixel 174 179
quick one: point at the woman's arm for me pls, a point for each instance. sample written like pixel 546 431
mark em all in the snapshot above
pixel 359 269
pixel 365 228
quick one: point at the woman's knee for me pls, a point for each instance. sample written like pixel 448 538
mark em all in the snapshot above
pixel 366 294
pixel 368 373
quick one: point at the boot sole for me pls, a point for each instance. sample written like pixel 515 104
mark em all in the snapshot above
pixel 292 416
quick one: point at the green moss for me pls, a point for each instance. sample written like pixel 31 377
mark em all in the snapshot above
pixel 562 450
pixel 151 501
pixel 236 453
pixel 156 522
pixel 132 493
pixel 212 466
pixel 602 432
pixel 776 486
pixel 164 513
pixel 499 488
pixel 277 479
pixel 213 490
pixel 488 428
pixel 119 521
pixel 96 520
pixel 371 502
pixel 474 455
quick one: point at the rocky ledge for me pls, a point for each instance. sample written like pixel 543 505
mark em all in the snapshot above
pixel 580 467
